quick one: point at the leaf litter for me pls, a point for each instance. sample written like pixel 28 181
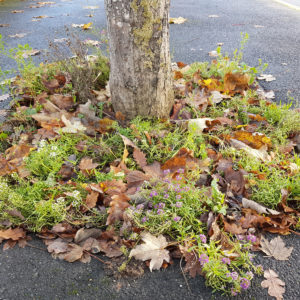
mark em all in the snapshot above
pixel 114 180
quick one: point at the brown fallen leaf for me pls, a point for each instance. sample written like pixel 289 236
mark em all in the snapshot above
pixel 258 207
pixel 91 199
pixel 13 234
pixel 17 11
pixel 74 253
pixel 87 166
pixel 62 101
pixel 276 287
pixel 84 233
pixel 236 83
pixel 153 249
pixel 117 207
pixel 192 263
pixel 275 248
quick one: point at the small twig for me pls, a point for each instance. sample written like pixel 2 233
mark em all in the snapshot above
pixel 94 256
pixel 298 233
pixel 185 279
pixel 36 247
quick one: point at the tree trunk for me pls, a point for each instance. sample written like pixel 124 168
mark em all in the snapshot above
pixel 140 66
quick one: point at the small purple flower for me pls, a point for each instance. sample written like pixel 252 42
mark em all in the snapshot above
pixel 166 196
pixel 233 292
pixel 249 274
pixel 203 238
pixel 181 171
pixel 203 259
pixel 153 193
pixel 228 275
pixel 166 172
pixel 177 219
pixel 234 275
pixel 140 207
pixel 161 205
pixel 186 188
pixel 178 204
pixel 240 237
pixel 167 180
pixel 178 177
pixel 160 211
pixel 251 238
pixel 244 283
pixel 251 256
pixel 178 197
pixel 226 260
pixel 144 219
pixel 138 189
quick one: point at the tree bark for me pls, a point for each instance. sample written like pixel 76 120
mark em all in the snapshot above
pixel 140 65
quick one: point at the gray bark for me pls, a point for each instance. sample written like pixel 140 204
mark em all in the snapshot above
pixel 140 66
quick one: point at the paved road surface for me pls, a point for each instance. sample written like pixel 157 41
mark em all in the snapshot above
pixel 31 273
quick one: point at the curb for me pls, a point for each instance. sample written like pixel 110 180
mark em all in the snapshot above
pixel 296 7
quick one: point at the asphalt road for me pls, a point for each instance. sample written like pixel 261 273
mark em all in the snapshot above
pixel 31 273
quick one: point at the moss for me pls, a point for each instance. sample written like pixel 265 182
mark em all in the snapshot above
pixel 144 34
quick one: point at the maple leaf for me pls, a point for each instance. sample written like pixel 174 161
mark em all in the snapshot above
pixel 275 248
pixel 75 253
pixel 274 284
pixel 153 249
pixel 236 83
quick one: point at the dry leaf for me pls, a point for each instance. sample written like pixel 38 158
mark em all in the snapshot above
pixel 258 207
pixel 70 127
pixel 117 207
pixel 17 11
pixel 274 284
pixel 213 53
pixel 275 248
pixel 13 234
pixel 91 7
pixel 86 165
pixel 198 125
pixel 91 199
pixel 266 77
pixel 178 20
pixel 32 52
pixel 4 97
pixel 153 249
pixel 260 154
pixel 87 26
pixel 75 253
pixel 18 35
pixel 83 234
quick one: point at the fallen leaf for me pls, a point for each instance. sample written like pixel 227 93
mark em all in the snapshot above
pixel 117 207
pixel 4 97
pixel 32 52
pixel 57 246
pixel 236 83
pixel 70 127
pixel 178 20
pixel 4 25
pixel 91 199
pixel 74 253
pixel 84 233
pixel 62 102
pixel 87 26
pixel 13 234
pixel 91 42
pixel 40 17
pixel 87 166
pixel 260 154
pixel 153 249
pixel 17 11
pixel 213 53
pixel 258 207
pixel 18 35
pixel 275 248
pixel 198 125
pixel 276 287
pixel 266 77
pixel 192 263
pixel 91 7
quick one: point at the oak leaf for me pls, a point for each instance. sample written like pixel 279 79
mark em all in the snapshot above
pixel 275 248
pixel 153 249
pixel 274 284
pixel 13 234
pixel 87 166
